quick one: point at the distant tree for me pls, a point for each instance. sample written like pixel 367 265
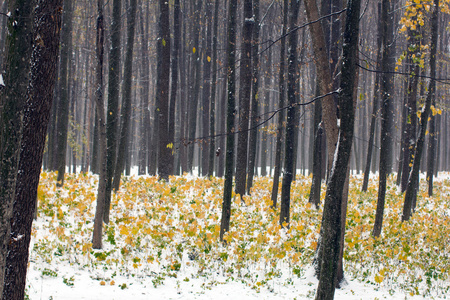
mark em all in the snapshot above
pixel 212 106
pixel 126 96
pixel 47 25
pixel 62 125
pixel 12 99
pixel 229 156
pixel 375 103
pixel 332 215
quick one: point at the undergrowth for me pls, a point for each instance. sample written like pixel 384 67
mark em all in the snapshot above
pixel 158 229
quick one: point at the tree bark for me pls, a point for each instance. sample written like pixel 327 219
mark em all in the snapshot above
pixel 387 34
pixel 126 96
pixel 291 116
pixel 113 103
pixel 332 216
pixel 255 98
pixel 281 118
pixel 101 124
pixel 44 60
pixel 245 87
pixel 62 125
pixel 12 99
pixel 229 156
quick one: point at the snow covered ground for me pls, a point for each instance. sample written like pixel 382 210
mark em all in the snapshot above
pixel 154 249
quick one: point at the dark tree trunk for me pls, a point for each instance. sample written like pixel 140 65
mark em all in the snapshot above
pixel 101 124
pixel 413 181
pixel 165 150
pixel 281 119
pixel 12 100
pixel 411 110
pixel 113 103
pixel 174 82
pixel 332 216
pixel 212 105
pixel 206 90
pixel 291 117
pixel 386 91
pixel 255 98
pixel 36 118
pixel 126 96
pixel 314 195
pixel 245 87
pixel 62 125
pixel 229 156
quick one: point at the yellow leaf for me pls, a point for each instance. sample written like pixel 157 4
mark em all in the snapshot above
pixel 208 59
pixel 112 282
pixel 193 50
pixel 102 282
pixel 163 42
pixel 379 278
pixel 170 145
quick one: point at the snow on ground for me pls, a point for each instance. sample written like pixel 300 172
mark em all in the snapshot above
pixel 59 270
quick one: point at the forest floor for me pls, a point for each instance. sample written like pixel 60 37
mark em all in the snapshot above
pixel 162 243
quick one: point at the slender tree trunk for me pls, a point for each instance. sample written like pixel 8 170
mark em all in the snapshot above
pixel 36 118
pixel 101 125
pixel 229 156
pixel 387 33
pixel 332 217
pixel 62 125
pixel 126 96
pixel 174 82
pixel 413 181
pixel 314 195
pixel 255 98
pixel 12 100
pixel 195 83
pixel 212 106
pixel 165 150
pixel 113 103
pixel 291 117
pixel 282 85
pixel 245 87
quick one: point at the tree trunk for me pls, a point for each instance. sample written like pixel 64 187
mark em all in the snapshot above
pixel 245 87
pixel 13 93
pixel 387 34
pixel 101 124
pixel 413 181
pixel 255 98
pixel 36 118
pixel 113 103
pixel 174 82
pixel 282 85
pixel 332 216
pixel 212 106
pixel 314 195
pixel 291 117
pixel 229 156
pixel 62 125
pixel 126 96
pixel 165 150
